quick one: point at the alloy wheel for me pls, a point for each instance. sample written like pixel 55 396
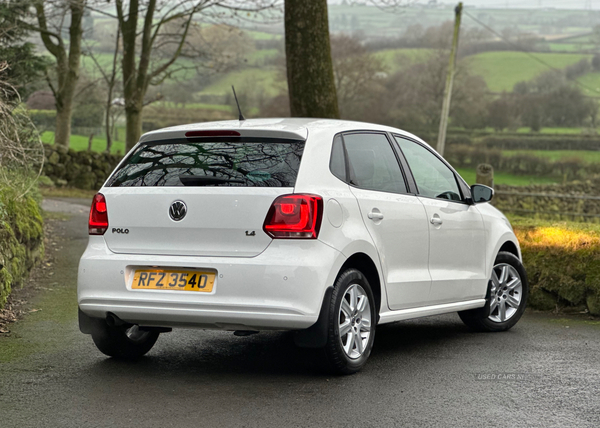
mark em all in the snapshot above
pixel 506 292
pixel 354 321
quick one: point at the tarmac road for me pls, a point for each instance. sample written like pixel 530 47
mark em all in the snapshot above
pixel 545 372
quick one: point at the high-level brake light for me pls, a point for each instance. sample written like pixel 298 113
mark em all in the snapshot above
pixel 213 133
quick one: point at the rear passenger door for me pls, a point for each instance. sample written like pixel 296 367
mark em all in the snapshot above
pixel 456 234
pixel 395 219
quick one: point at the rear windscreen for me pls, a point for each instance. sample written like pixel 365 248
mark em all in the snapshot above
pixel 211 163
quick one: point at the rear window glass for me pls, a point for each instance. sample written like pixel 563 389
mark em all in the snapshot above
pixel 212 163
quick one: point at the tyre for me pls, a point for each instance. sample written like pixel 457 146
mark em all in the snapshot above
pixel 508 291
pixel 351 323
pixel 123 342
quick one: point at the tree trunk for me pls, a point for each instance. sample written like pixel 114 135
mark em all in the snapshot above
pixel 484 174
pixel 108 127
pixel 67 65
pixel 62 133
pixel 310 78
pixel 133 132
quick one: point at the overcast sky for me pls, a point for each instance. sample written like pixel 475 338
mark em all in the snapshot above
pixel 530 4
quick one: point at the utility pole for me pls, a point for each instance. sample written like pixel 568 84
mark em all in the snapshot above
pixel 449 82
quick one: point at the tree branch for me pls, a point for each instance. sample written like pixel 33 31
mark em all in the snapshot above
pixel 167 64
pixel 56 49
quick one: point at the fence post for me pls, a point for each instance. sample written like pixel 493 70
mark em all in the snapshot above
pixel 90 140
pixel 485 174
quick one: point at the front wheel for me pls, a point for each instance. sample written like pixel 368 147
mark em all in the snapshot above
pixel 508 291
pixel 123 342
pixel 351 324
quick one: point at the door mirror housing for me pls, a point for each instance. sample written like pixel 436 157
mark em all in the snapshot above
pixel 481 193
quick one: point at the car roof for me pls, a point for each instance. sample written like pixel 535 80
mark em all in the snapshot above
pixel 289 128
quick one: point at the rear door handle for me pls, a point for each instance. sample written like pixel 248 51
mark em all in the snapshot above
pixel 375 215
pixel 436 220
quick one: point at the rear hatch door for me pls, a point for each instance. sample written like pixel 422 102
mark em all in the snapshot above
pixel 199 197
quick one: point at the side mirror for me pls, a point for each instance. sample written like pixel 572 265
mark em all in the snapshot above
pixel 481 193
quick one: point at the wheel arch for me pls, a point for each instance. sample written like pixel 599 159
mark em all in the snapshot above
pixel 510 247
pixel 366 265
pixel 316 335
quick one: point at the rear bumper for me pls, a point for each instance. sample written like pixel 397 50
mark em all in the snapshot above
pixel 280 289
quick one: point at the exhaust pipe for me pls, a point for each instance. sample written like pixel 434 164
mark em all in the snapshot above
pixel 114 321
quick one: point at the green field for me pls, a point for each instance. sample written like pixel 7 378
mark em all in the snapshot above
pixel 249 79
pixel 569 47
pixel 80 143
pixel 591 83
pixel 526 130
pixel 259 56
pixel 509 179
pixel 394 59
pixel 105 61
pixel 554 155
pixel 192 106
pixel 261 35
pixel 502 70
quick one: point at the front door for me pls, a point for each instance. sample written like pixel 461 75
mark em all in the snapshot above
pixel 456 232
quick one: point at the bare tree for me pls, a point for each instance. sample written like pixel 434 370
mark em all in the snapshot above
pixel 359 76
pixel 110 79
pixel 152 47
pixel 51 17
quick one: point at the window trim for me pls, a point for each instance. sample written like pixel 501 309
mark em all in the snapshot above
pixel 344 154
pixel 460 182
pixel 399 160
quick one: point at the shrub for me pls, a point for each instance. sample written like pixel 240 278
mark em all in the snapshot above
pixel 43 119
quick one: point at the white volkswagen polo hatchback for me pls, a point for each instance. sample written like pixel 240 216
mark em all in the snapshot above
pixel 326 227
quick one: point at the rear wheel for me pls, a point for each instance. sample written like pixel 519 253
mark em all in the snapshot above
pixel 508 291
pixel 123 342
pixel 351 326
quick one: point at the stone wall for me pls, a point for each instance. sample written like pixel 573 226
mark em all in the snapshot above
pixel 84 170
pixel 538 201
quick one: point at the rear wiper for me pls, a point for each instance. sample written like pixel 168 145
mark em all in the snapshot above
pixel 203 180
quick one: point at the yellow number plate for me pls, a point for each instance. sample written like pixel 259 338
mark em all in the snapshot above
pixel 165 279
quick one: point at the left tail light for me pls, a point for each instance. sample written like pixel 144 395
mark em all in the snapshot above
pixel 98 223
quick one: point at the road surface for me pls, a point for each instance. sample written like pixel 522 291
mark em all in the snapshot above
pixel 545 372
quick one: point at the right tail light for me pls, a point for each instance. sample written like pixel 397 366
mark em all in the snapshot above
pixel 295 216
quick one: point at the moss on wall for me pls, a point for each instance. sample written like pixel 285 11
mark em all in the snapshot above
pixel 21 239
pixel 563 264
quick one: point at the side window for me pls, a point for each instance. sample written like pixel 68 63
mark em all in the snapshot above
pixel 373 163
pixel 337 163
pixel 434 179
